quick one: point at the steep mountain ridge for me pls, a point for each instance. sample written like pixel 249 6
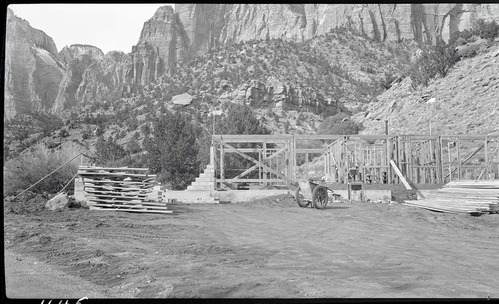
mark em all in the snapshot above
pixel 231 23
pixel 464 102
pixel 171 37
pixel 32 69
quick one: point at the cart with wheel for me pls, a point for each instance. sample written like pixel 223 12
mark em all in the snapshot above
pixel 313 193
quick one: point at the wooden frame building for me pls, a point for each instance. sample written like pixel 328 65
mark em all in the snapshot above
pixel 282 160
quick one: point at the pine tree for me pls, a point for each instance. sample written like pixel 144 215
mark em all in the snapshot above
pixel 172 151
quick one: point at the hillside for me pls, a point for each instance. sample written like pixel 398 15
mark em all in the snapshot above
pixel 464 102
pixel 291 86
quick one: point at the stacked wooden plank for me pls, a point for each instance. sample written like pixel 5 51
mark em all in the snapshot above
pixel 121 189
pixel 463 196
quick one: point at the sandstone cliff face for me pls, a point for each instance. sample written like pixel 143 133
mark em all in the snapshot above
pixel 38 78
pixel 209 26
pixel 280 94
pixel 32 69
pixel 89 75
pixel 161 45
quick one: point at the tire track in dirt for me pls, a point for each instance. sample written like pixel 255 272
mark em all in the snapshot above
pixel 268 249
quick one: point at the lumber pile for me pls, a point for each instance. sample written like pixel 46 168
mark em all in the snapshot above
pixel 463 196
pixel 121 189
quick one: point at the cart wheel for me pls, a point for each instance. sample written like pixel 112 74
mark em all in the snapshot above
pixel 320 197
pixel 299 199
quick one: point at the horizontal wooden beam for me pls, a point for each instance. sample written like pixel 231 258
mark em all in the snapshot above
pixel 267 168
pixel 311 151
pixel 251 180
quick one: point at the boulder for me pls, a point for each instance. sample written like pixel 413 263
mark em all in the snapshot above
pixel 58 202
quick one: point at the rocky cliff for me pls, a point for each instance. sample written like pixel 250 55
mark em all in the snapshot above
pixel 209 26
pixel 38 78
pixel 162 43
pixel 32 69
pixel 91 76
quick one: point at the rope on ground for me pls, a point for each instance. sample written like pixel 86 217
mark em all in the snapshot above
pixel 47 175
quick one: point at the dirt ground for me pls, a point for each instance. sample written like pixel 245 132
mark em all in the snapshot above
pixel 269 248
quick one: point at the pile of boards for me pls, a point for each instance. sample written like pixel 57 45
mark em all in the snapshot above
pixel 121 189
pixel 463 196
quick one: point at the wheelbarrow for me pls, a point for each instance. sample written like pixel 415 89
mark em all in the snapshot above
pixel 317 194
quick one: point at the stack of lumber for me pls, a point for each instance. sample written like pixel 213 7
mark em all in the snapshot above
pixel 121 189
pixel 463 196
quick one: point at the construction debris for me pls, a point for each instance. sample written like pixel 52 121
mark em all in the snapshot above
pixel 463 196
pixel 121 189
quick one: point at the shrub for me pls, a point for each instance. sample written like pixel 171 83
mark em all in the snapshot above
pixel 63 133
pixel 24 171
pixel 486 30
pixel 434 61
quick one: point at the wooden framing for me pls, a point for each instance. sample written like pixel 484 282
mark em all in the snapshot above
pixel 281 160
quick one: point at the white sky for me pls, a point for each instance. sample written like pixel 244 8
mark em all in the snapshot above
pixel 110 27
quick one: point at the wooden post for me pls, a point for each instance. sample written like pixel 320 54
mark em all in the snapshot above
pixel 399 157
pixel 458 145
pixel 388 157
pixel 408 146
pixel 222 154
pixel 264 172
pixel 306 165
pixel 440 168
pixel 486 148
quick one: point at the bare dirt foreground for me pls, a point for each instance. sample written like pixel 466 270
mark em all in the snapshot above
pixel 265 249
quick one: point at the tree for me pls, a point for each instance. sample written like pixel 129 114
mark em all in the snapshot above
pixel 240 119
pixel 108 151
pixel 172 149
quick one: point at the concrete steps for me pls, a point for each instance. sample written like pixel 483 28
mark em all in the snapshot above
pixel 205 181
pixel 200 191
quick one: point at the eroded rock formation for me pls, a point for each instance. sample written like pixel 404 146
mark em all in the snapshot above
pixel 32 69
pixel 209 26
pixel 38 78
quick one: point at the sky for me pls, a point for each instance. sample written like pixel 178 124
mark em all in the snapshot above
pixel 110 27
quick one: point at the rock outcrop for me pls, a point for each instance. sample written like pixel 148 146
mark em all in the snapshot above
pixel 32 68
pixel 90 75
pixel 279 94
pixel 162 43
pixel 463 102
pixel 209 26
pixel 38 78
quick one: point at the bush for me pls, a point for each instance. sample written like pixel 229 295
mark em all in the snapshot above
pixel 63 133
pixel 486 30
pixel 434 61
pixel 24 171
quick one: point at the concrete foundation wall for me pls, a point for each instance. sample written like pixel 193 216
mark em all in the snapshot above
pixel 235 196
